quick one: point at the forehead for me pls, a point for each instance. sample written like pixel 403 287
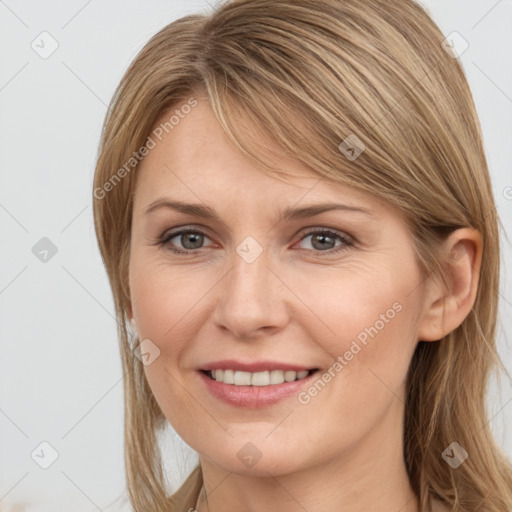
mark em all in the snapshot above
pixel 198 147
pixel 196 159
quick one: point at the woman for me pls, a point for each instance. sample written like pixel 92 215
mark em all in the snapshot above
pixel 294 209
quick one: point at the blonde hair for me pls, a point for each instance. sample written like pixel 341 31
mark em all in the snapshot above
pixel 308 75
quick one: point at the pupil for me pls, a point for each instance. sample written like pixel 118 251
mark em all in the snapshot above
pixel 195 244
pixel 322 237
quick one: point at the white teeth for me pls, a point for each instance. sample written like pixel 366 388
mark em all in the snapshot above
pixel 260 379
pixel 276 377
pixel 242 378
pixel 289 376
pixel 265 378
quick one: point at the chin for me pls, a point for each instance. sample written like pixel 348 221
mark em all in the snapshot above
pixel 256 459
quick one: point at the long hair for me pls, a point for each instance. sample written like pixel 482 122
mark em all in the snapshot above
pixel 312 76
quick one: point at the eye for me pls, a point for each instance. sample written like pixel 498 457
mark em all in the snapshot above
pixel 189 238
pixel 324 240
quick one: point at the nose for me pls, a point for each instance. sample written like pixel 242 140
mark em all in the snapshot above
pixel 252 301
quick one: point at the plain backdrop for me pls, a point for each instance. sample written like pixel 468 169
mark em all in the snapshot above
pixel 60 372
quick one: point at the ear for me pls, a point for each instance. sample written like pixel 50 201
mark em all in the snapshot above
pixel 447 305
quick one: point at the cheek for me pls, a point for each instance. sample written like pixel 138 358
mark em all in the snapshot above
pixel 365 381
pixel 168 311
pixel 368 323
pixel 372 325
pixel 167 303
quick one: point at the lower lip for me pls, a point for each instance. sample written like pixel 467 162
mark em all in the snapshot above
pixel 253 397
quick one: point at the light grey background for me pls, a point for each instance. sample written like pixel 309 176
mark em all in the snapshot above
pixel 60 372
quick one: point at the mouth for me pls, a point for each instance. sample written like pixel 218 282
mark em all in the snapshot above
pixel 254 390
pixel 257 379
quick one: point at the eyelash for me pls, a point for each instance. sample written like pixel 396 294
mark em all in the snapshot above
pixel 346 241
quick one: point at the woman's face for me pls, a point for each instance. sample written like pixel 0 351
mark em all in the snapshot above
pixel 261 284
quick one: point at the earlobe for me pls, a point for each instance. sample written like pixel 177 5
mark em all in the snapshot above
pixel 448 303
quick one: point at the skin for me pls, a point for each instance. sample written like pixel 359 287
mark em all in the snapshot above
pixel 294 303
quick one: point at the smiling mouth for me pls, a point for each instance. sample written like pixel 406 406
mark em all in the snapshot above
pixel 264 378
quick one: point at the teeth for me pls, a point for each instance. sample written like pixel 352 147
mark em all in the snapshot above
pixel 266 378
pixel 242 378
pixel 276 377
pixel 289 376
pixel 260 379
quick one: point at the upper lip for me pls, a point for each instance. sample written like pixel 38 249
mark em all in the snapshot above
pixel 256 366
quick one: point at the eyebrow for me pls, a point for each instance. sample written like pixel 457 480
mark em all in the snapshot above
pixel 289 213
